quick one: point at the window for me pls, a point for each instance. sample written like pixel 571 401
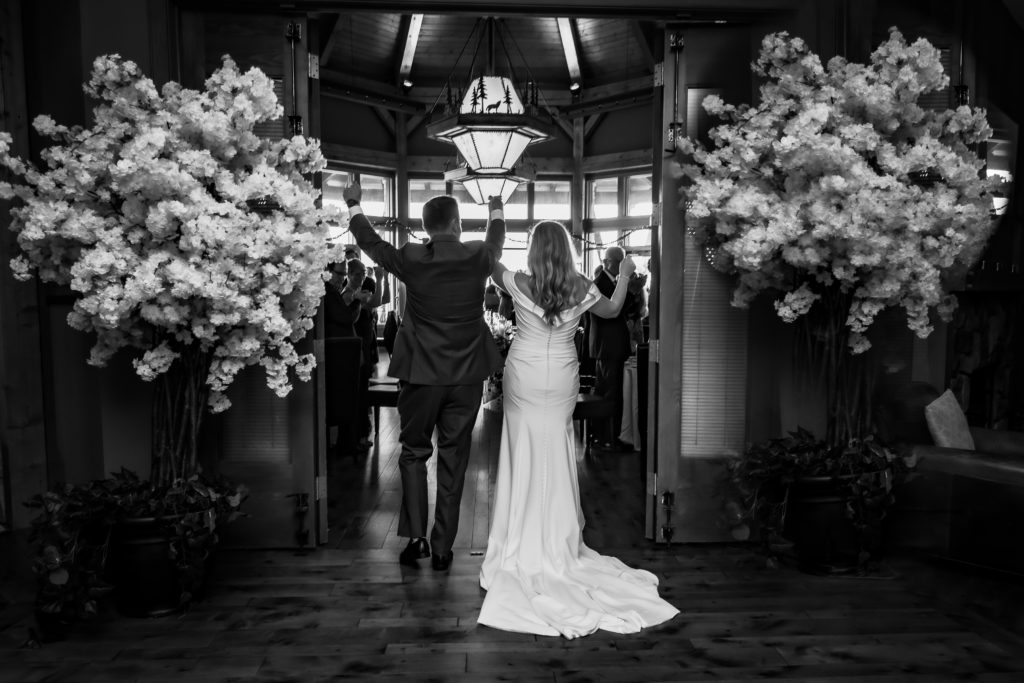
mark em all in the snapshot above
pixel 619 211
pixel 552 199
pixel 420 191
pixel 377 194
pixel 604 198
pixel 638 195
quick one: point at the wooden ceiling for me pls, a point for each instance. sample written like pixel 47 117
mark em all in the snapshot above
pixel 368 47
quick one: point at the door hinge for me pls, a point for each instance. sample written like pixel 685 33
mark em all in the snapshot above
pixel 659 74
pixel 653 351
pixel 656 214
pixel 314 67
pixel 652 483
pixel 321 488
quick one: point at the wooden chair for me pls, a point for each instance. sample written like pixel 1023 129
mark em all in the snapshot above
pixel 591 407
pixel 383 392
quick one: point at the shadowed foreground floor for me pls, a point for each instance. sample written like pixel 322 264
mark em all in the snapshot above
pixel 348 611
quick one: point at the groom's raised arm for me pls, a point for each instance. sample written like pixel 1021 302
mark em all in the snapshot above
pixel 495 235
pixel 367 238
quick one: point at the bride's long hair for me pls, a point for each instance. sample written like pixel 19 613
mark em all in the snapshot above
pixel 552 263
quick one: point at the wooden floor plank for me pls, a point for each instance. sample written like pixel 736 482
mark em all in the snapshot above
pixel 348 611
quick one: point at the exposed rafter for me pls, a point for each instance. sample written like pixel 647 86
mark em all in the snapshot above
pixel 591 124
pixel 572 54
pixel 386 118
pixel 409 37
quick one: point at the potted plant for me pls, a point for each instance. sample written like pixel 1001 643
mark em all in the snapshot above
pixel 190 243
pixel 74 536
pixel 841 196
pixel 71 535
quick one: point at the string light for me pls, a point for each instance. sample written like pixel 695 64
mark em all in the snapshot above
pixel 395 224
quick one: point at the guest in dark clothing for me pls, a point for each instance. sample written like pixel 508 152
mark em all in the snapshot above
pixel 609 346
pixel 366 330
pixel 343 356
pixel 341 307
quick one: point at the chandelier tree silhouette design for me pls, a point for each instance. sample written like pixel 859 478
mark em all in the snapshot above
pixel 491 126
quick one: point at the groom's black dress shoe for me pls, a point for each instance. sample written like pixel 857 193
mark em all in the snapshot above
pixel 417 549
pixel 442 563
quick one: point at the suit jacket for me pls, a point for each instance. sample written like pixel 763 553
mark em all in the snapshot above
pixel 443 339
pixel 609 337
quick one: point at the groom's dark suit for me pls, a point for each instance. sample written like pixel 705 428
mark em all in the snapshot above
pixel 443 352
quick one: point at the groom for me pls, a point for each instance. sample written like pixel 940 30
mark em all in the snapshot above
pixel 443 353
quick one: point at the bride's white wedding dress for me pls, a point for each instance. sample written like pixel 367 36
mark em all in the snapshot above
pixel 539 575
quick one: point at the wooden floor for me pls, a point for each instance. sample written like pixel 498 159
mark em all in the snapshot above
pixel 348 611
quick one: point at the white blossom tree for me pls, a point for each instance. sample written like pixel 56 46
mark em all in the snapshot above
pixel 843 195
pixel 153 217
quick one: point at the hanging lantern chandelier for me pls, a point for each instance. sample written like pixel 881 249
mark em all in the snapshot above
pixel 491 126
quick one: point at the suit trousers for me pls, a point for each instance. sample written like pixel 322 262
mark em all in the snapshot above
pixel 609 373
pixel 453 411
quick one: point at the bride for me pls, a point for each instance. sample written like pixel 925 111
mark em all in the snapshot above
pixel 539 575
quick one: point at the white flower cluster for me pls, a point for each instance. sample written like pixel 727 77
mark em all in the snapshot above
pixel 815 186
pixel 147 216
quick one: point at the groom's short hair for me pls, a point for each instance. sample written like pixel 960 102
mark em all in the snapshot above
pixel 438 214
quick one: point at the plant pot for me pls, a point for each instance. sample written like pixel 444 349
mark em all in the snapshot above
pixel 145 576
pixel 824 539
pixel 52 626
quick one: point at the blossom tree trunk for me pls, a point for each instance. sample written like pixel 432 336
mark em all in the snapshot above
pixel 846 377
pixel 178 405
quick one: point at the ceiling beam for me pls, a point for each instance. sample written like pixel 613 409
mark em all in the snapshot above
pixel 410 36
pixel 328 22
pixel 567 32
pixel 365 91
pixel 621 95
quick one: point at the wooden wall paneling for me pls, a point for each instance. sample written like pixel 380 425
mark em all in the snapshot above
pixel 192 57
pixel 22 415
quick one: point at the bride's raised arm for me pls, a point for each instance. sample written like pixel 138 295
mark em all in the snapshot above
pixel 498 274
pixel 609 308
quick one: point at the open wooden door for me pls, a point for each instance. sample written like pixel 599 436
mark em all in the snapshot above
pixel 274 446
pixel 699 347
